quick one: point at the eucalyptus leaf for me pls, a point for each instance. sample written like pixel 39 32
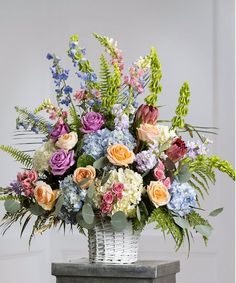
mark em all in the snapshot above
pixel 204 230
pixel 184 174
pixel 90 191
pixel 100 163
pixel 82 223
pixel 84 181
pixel 119 221
pixel 181 222
pixel 216 211
pixel 12 206
pixel 58 205
pixel 88 214
pixel 85 160
pixel 105 178
pixel 35 209
pixel 138 214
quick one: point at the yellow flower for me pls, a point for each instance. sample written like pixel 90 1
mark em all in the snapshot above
pixel 82 173
pixel 119 154
pixel 45 196
pixel 158 193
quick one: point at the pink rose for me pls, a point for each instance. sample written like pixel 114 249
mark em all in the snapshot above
pixel 117 189
pixel 159 173
pixel 148 133
pixel 108 197
pixel 106 208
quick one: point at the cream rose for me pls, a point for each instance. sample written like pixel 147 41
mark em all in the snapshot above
pixel 148 133
pixel 45 196
pixel 158 193
pixel 119 154
pixel 82 173
pixel 67 141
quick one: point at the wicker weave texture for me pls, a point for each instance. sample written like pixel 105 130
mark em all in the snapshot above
pixel 108 246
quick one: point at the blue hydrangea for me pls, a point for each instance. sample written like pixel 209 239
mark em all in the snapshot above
pixel 145 160
pixel 183 198
pixel 96 144
pixel 73 199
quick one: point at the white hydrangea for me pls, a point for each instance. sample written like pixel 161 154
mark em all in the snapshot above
pixel 165 136
pixel 133 188
pixel 42 156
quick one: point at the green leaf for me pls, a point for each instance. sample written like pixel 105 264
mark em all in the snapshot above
pixel 204 230
pixel 88 214
pixel 100 163
pixel 119 221
pixel 216 211
pixel 181 222
pixel 84 181
pixel 12 206
pixel 58 205
pixel 90 191
pixel 184 175
pixel 85 160
pixel 138 214
pixel 105 178
pixel 35 209
pixel 82 223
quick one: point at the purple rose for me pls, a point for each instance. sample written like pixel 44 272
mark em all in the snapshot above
pixel 92 121
pixel 59 129
pixel 60 161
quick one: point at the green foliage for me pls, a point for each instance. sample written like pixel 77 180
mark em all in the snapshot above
pixel 119 221
pixel 106 43
pixel 222 165
pixel 45 105
pixel 12 206
pixel 216 212
pixel 155 77
pixel 196 220
pixel 75 123
pixel 105 75
pixel 32 120
pixel 88 214
pixel 165 221
pixel 20 156
pixel 85 160
pixel 182 108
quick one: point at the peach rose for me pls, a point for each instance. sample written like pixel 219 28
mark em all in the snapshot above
pixel 158 193
pixel 148 133
pixel 119 154
pixel 82 173
pixel 67 141
pixel 45 196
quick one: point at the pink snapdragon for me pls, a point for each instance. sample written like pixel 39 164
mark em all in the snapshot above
pixel 80 95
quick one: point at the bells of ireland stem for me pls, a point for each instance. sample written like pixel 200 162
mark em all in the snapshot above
pixel 146 114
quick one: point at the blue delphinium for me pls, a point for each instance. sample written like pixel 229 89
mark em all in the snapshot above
pixel 73 199
pixel 183 198
pixel 96 144
pixel 145 160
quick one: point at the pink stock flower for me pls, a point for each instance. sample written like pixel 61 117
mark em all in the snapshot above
pixel 108 197
pixel 106 208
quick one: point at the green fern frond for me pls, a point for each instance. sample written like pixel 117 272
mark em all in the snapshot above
pixel 32 120
pixel 104 41
pixel 164 221
pixel 182 108
pixel 20 156
pixel 155 77
pixel 105 75
pixel 196 179
pixel 75 124
pixel 8 197
pixel 197 188
pixel 45 105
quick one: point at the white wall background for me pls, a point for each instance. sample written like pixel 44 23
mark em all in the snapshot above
pixel 195 42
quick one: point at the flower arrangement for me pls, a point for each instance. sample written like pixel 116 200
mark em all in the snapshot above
pixel 104 155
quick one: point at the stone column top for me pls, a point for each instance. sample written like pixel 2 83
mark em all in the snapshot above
pixel 140 269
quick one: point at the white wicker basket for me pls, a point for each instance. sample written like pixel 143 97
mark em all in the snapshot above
pixel 108 246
